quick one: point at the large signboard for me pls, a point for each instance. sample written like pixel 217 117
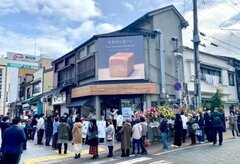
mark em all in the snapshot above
pixel 22 66
pixel 22 57
pixel 121 58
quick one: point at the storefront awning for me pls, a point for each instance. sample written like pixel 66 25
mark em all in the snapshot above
pixel 80 102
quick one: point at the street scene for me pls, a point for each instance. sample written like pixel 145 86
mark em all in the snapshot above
pixel 125 82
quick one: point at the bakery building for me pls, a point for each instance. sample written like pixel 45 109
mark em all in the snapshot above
pixel 130 69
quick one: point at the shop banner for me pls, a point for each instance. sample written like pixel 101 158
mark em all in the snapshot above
pixel 121 58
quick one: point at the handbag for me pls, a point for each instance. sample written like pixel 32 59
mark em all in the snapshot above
pixel 91 136
pixel 109 137
pixel 198 133
pixel 195 126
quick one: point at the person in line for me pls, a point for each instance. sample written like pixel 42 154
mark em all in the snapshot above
pixel 191 129
pixel 217 120
pixel 63 135
pixel 4 124
pixel 208 125
pixel 177 131
pixel 48 130
pixel 126 133
pixel 114 116
pixel 238 119
pixel 110 132
pixel 136 136
pixel 28 125
pixel 144 135
pixel 184 123
pixel 24 128
pixel 164 132
pixel 40 129
pixel 55 133
pixel 34 125
pixel 77 137
pixel 70 122
pixel 201 123
pixel 233 124
pixel 92 138
pixel 12 143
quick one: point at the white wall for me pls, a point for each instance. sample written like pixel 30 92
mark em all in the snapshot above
pixel 229 92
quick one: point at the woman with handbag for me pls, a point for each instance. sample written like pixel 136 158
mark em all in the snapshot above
pixel 110 137
pixel 233 124
pixel 77 137
pixel 92 138
pixel 192 127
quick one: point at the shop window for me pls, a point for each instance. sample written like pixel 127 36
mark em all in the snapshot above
pixel 231 78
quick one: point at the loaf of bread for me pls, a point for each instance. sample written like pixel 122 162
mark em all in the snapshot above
pixel 121 64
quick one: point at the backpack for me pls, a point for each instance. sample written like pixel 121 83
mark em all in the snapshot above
pixel 217 121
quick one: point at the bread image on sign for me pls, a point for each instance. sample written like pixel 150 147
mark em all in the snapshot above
pixel 121 64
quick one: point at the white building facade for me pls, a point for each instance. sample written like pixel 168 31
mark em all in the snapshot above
pixel 216 72
pixel 3 74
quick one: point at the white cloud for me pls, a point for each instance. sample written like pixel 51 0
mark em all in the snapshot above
pixel 128 6
pixel 74 10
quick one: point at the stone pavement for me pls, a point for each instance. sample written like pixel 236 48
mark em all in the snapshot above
pixel 43 154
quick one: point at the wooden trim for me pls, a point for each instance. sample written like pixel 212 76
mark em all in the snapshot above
pixel 115 89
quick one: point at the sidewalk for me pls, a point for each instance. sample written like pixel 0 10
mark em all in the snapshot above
pixel 43 154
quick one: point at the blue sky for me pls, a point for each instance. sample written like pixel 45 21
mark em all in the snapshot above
pixel 54 27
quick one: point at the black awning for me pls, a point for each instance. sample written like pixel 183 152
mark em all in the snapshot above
pixel 80 102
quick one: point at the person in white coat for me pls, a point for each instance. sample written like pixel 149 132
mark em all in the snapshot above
pixel 136 136
pixel 184 123
pixel 110 132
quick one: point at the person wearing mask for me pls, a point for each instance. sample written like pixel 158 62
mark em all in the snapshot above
pixel 92 138
pixel 24 128
pixel 208 125
pixel 12 143
pixel 40 129
pixel 177 131
pixel 4 124
pixel 200 121
pixel 34 125
pixel 144 135
pixel 110 132
pixel 217 120
pixel 192 129
pixel 164 132
pixel 48 129
pixel 55 133
pixel 63 135
pixel 136 136
pixel 77 137
pixel 233 124
pixel 184 122
pixel 126 133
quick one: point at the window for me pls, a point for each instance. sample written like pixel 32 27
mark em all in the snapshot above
pixel 28 93
pixel 81 54
pixel 231 78
pixel 90 48
pixel 37 87
pixel 208 70
pixel 86 68
pixel 65 76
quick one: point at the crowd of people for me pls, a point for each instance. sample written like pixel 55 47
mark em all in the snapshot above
pixel 132 133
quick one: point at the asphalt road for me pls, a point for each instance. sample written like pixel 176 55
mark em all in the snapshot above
pixel 228 153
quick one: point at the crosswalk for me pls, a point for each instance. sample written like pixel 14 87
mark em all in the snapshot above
pixel 131 160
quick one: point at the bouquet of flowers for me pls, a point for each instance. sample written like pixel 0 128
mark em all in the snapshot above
pixel 166 111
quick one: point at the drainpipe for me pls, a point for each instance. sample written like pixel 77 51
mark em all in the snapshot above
pixel 162 65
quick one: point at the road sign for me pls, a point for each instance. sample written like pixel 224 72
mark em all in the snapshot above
pixel 178 86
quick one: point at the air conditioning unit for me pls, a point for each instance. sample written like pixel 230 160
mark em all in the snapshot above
pixel 192 78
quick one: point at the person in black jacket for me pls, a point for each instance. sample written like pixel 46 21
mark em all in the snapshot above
pixel 208 125
pixel 217 120
pixel 177 131
pixel 164 132
pixel 4 124
pixel 12 144
pixel 48 129
pixel 34 125
pixel 201 123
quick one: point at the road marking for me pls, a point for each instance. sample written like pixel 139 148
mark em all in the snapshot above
pixel 57 156
pixel 161 162
pixel 135 160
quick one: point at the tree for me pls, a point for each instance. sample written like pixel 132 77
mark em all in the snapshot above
pixel 216 101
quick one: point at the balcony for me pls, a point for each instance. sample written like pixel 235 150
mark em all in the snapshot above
pixel 66 82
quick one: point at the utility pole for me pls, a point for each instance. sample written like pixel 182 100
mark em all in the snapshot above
pixel 196 42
